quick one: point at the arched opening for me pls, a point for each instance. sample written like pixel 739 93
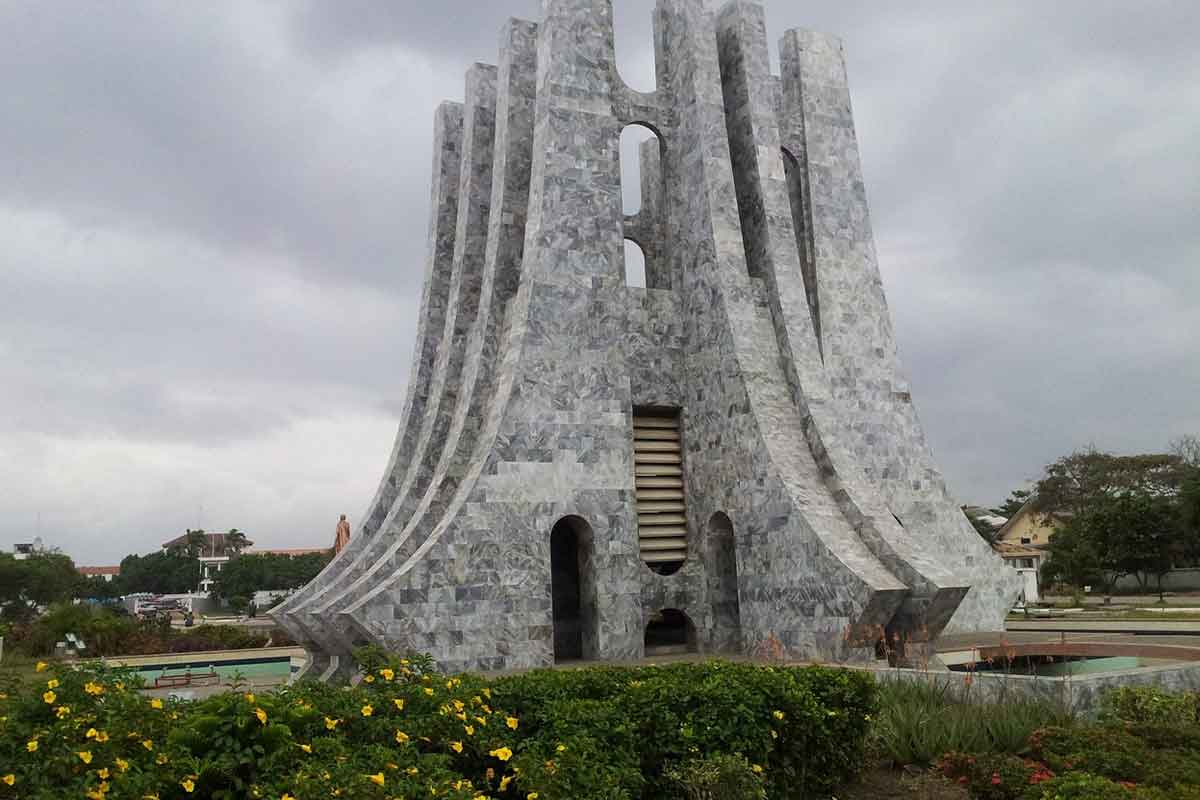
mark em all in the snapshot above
pixel 633 41
pixel 723 584
pixel 635 265
pixel 570 553
pixel 670 632
pixel 633 186
pixel 801 204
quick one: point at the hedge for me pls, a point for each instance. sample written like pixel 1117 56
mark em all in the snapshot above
pixel 684 730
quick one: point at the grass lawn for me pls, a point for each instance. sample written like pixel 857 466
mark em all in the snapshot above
pixel 17 668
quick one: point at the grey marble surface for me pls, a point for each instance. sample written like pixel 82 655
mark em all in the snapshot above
pixel 816 517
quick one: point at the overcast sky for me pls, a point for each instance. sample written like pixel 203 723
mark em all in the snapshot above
pixel 213 216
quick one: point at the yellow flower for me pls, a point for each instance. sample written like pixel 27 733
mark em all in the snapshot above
pixel 561 748
pixel 387 674
pixel 287 796
pixel 249 697
pixel 148 744
pixel 122 765
pixel 85 756
pixel 774 734
pixel 156 704
pixel 401 737
pixel 52 683
pixel 512 722
pixel 487 693
pixel 412 770
pixel 32 745
pixel 456 747
pixel 458 705
pixel 399 701
pixel 376 779
pixel 778 715
pixel 531 796
pixel 756 767
pixel 161 759
pixel 94 688
pixel 502 753
pixel 41 666
pixel 101 737
pixel 330 724
pixel 504 782
pixel 369 679
pixel 428 690
pixel 10 779
pixel 262 715
pixel 103 773
pixel 91 733
pixel 49 697
pixel 150 797
pixel 63 711
pixel 306 748
pixel 188 785
pixel 470 729
pixel 368 710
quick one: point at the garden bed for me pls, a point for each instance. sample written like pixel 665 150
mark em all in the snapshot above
pixel 701 731
pixel 733 731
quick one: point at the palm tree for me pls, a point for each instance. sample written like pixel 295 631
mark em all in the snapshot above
pixel 196 541
pixel 236 541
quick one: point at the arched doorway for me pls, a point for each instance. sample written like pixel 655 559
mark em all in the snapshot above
pixel 723 584
pixel 570 590
pixel 670 632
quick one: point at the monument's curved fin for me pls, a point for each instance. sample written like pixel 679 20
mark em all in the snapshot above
pixel 442 222
pixel 734 442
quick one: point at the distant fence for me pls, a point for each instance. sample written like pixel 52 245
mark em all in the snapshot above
pixel 1177 580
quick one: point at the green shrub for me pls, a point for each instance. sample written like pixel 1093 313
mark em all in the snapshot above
pixel 805 727
pixel 1083 786
pixel 920 722
pixel 718 777
pixel 406 731
pixel 107 632
pixel 1150 705
pixel 992 776
pixel 1119 754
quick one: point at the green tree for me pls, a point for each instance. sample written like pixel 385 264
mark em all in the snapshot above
pixel 236 541
pixel 1121 515
pixel 1013 503
pixel 1074 556
pixel 1074 483
pixel 247 574
pixel 1189 509
pixel 97 588
pixel 39 580
pixel 159 573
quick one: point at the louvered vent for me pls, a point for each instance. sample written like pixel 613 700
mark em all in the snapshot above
pixel 658 476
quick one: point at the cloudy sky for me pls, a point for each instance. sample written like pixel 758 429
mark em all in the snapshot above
pixel 212 233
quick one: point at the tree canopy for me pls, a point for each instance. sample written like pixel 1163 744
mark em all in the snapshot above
pixel 1121 515
pixel 40 579
pixel 241 577
pixel 1012 504
pixel 172 572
